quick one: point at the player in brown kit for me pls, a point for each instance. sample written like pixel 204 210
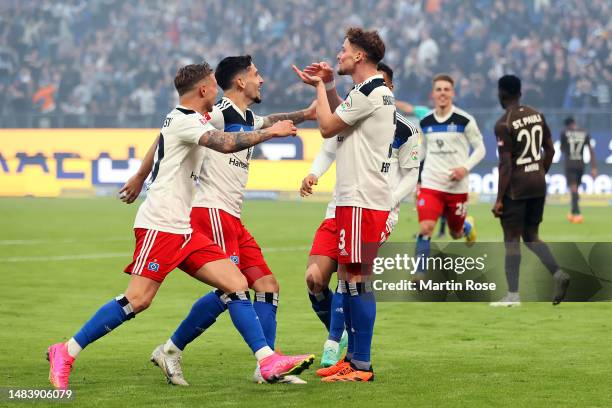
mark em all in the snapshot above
pixel 521 135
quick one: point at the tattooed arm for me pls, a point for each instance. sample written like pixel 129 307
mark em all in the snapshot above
pixel 230 142
pixel 296 117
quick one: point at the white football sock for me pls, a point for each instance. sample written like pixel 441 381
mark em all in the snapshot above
pixel 170 348
pixel 73 347
pixel 331 344
pixel 263 353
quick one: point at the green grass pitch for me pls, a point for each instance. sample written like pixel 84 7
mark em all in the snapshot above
pixel 60 259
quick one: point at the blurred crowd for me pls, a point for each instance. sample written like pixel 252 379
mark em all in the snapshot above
pixel 116 59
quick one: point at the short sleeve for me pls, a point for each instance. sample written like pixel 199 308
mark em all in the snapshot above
pixel 504 143
pixel 216 118
pixel 355 107
pixel 192 127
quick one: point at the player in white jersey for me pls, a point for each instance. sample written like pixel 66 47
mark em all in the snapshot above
pixel 217 207
pixel 164 238
pixel 448 134
pixel 323 257
pixel 364 124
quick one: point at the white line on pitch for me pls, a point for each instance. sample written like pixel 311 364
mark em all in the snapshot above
pixel 106 255
pixel 60 241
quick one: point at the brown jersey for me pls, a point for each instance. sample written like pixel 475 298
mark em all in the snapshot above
pixel 573 143
pixel 521 132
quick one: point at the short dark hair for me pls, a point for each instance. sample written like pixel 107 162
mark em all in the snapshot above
pixel 369 41
pixel 443 77
pixel 386 69
pixel 189 75
pixel 510 85
pixel 569 121
pixel 229 67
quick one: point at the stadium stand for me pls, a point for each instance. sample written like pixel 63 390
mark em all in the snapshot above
pixel 109 63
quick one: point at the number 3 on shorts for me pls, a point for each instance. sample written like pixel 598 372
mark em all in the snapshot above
pixel 341 241
pixel 461 209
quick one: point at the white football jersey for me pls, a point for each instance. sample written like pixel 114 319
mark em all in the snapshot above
pixel 447 143
pixel 364 149
pixel 405 155
pixel 223 177
pixel 171 187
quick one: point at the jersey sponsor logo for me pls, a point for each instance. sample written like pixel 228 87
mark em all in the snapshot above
pixel 385 167
pixel 440 143
pixel 153 266
pixel 238 163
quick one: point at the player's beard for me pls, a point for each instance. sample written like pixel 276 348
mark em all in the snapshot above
pixel 257 99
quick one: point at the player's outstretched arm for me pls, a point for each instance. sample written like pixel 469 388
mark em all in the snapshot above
pixel 231 142
pixel 330 123
pixel 131 189
pixel 297 117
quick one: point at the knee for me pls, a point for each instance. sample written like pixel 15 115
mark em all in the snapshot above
pixel 315 280
pixel 266 284
pixel 426 228
pixel 139 301
pixel 236 283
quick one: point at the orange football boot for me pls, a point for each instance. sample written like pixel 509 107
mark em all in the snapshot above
pixel 327 371
pixel 350 374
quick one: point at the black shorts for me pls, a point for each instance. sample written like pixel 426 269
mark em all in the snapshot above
pixel 574 175
pixel 519 213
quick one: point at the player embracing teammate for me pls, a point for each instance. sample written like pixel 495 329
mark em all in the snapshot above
pixel 364 124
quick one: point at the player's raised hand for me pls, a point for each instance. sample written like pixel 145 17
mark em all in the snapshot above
pixel 498 209
pixel 312 80
pixel 283 128
pixel 309 181
pixel 321 69
pixel 131 189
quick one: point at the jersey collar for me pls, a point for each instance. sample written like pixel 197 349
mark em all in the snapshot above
pixel 371 78
pixel 444 118
pixel 243 114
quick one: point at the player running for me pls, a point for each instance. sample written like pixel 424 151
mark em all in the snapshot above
pixel 573 142
pixel 164 238
pixel 216 211
pixel 449 133
pixel 323 258
pixel 364 124
pixel 521 135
